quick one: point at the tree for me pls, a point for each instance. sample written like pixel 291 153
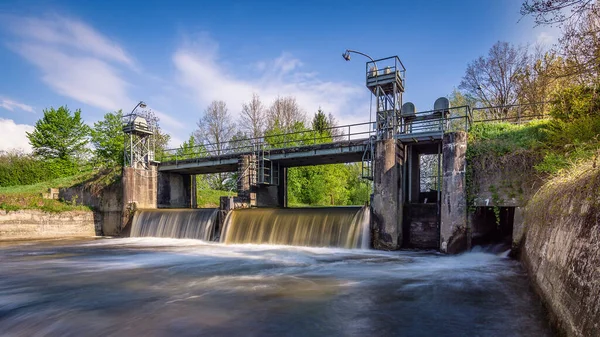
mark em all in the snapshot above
pixel 253 117
pixel 59 134
pixel 492 79
pixel 324 126
pixel 285 112
pixel 108 139
pixel 580 42
pixel 555 11
pixel 190 149
pixel 215 129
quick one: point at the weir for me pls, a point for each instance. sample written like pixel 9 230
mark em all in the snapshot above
pixel 344 227
pixel 416 161
pixel 175 223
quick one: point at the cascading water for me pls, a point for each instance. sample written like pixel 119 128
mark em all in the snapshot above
pixel 175 223
pixel 345 227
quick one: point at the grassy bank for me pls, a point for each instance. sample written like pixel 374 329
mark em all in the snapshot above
pixel 209 198
pixel 13 198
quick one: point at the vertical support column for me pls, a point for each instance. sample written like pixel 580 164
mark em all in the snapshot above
pixel 246 185
pixel 139 191
pixel 453 218
pixel 387 206
pixel 282 192
pixel 194 191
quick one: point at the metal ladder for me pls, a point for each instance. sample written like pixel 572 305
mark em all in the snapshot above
pixel 367 160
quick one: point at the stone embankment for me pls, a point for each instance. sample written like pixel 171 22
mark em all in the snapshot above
pixel 34 224
pixel 561 250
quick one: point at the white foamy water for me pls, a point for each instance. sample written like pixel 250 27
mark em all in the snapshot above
pixel 182 287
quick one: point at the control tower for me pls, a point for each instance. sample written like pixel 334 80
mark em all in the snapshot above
pixel 385 80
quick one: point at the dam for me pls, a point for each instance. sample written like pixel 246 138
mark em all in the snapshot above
pixel 415 160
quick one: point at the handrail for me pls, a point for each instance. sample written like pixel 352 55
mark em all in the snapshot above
pixel 448 120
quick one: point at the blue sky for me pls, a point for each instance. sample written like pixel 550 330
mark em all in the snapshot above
pixel 178 56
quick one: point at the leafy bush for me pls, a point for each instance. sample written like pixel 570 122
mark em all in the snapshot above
pixel 20 169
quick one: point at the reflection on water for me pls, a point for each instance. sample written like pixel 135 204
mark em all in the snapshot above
pixel 169 287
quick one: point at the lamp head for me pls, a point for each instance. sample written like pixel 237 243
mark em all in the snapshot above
pixel 142 104
pixel 346 55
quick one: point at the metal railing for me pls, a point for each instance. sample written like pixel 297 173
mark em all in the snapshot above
pixel 433 121
pixel 357 131
pixel 440 120
pixel 512 113
pixel 382 68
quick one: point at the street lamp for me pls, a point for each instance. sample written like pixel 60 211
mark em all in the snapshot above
pixel 141 104
pixel 346 56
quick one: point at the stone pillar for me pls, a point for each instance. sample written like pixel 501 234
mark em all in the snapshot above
pixel 139 191
pixel 246 184
pixel 453 220
pixel 175 190
pixel 387 197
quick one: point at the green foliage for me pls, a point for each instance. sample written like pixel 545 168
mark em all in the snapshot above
pixel 14 198
pixel 189 150
pixel 321 185
pixel 59 134
pixel 108 139
pixel 207 197
pixel 21 169
pixel 575 102
pixel 501 138
pixel 320 122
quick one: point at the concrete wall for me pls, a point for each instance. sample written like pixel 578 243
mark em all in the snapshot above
pixel 387 203
pixel 453 226
pixel 106 201
pixel 175 190
pixel 561 251
pixel 140 187
pixel 33 224
pixel 509 181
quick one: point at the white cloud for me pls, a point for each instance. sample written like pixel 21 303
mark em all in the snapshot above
pixel 545 39
pixel 203 74
pixel 71 33
pixel 13 135
pixel 11 105
pixel 75 60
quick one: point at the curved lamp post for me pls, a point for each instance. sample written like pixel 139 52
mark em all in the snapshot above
pixel 141 104
pixel 346 56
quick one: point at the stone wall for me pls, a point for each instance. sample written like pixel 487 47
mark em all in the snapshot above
pixel 561 250
pixel 34 224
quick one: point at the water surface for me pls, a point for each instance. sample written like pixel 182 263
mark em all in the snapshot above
pixel 175 287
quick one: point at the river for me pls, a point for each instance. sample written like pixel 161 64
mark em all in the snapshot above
pixel 183 287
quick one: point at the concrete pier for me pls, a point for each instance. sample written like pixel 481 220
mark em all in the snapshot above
pixel 453 219
pixel 387 204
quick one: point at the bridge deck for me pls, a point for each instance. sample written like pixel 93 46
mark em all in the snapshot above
pixel 347 151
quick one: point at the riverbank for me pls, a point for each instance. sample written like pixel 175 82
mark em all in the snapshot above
pixel 561 250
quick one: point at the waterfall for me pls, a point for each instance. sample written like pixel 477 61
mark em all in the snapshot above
pixel 345 227
pixel 175 223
